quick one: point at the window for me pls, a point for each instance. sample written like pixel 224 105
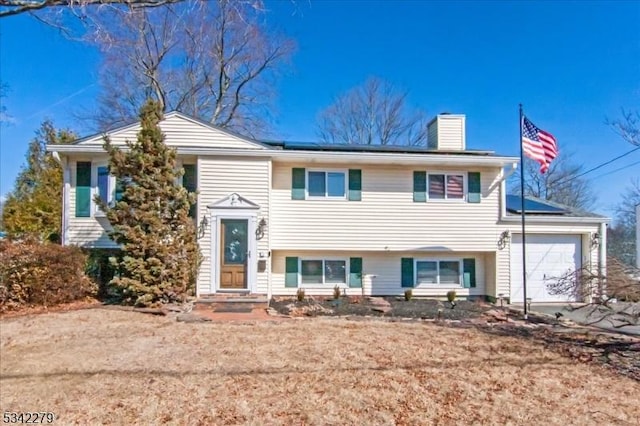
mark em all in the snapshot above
pixel 190 183
pixel 323 271
pixel 446 186
pixel 438 272
pixel 326 184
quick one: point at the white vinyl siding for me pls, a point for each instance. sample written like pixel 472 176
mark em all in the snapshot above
pixel 381 273
pixel 447 133
pixel 180 131
pixel 218 178
pixel 386 218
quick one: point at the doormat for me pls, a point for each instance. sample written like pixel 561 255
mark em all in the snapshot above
pixel 234 309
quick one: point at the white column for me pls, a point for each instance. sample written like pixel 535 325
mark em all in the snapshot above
pixel 66 188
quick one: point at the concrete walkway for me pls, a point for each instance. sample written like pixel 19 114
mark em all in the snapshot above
pixel 256 314
pixel 581 316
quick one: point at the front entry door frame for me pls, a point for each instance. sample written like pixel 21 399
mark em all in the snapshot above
pixel 250 213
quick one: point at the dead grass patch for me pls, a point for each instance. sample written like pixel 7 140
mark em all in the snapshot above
pixel 113 367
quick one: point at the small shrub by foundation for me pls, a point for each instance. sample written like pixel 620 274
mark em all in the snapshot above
pixel 408 295
pixel 300 295
pixel 336 292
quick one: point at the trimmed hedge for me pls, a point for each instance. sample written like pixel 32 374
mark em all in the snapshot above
pixel 36 274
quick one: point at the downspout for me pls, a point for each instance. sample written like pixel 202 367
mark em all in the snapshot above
pixel 503 192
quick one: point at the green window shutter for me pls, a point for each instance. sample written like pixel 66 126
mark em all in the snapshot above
pixel 190 183
pixel 474 193
pixel 355 184
pixel 407 272
pixel 291 272
pixel 469 272
pixel 420 186
pixel 355 272
pixel 83 189
pixel 297 183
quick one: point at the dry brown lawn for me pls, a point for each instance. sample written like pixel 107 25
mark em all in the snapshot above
pixel 103 366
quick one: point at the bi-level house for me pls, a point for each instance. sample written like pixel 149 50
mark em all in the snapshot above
pixel 275 217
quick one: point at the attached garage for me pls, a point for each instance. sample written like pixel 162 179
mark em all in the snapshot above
pixel 559 239
pixel 548 256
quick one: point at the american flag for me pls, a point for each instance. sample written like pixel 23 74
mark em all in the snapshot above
pixel 538 144
pixel 455 186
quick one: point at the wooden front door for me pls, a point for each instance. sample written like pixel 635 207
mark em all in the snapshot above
pixel 233 253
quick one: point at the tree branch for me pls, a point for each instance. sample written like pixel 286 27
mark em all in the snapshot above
pixel 16 7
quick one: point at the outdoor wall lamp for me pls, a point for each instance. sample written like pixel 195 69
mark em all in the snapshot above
pixel 262 224
pixel 504 239
pixel 595 240
pixel 202 227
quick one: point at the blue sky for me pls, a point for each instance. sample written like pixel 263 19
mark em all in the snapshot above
pixel 572 65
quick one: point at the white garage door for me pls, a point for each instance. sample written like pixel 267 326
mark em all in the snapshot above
pixel 547 256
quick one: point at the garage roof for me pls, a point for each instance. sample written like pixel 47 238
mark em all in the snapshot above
pixel 539 207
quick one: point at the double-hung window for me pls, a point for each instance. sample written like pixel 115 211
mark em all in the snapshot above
pixel 323 271
pixel 326 184
pixel 450 186
pixel 446 186
pixel 438 271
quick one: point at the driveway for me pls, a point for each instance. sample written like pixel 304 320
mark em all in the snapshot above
pixel 581 316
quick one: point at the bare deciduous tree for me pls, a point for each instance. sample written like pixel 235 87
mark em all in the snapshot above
pixel 612 298
pixel 16 7
pixel 621 238
pixel 375 113
pixel 5 118
pixel 628 127
pixel 562 183
pixel 216 61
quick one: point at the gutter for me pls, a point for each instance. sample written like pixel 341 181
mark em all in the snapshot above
pixel 556 219
pixel 317 156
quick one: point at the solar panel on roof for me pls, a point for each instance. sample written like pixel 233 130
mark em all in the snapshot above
pixel 514 205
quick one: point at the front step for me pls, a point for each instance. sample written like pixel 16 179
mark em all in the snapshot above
pixel 229 302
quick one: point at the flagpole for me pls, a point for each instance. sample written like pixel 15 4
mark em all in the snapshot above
pixel 524 242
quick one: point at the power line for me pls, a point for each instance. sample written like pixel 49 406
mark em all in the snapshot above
pixel 617 170
pixel 597 167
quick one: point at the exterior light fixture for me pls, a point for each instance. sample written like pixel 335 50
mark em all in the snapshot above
pixel 262 224
pixel 504 239
pixel 595 240
pixel 202 227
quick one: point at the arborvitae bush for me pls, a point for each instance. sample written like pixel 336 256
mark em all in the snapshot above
pixel 37 274
pixel 150 219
